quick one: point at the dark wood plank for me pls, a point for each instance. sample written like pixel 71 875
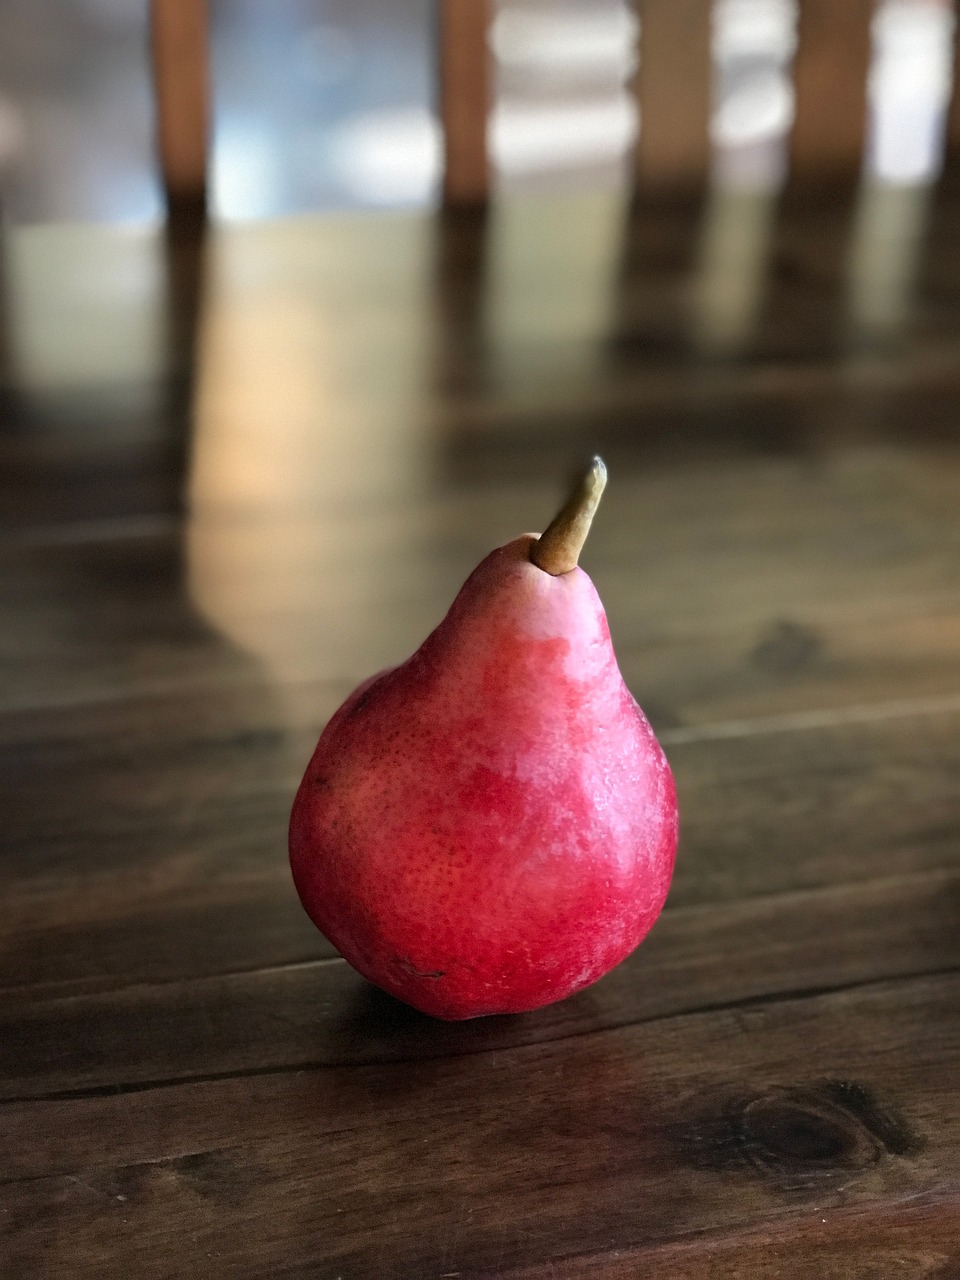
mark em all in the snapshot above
pixel 916 1238
pixel 140 781
pixel 688 1130
pixel 863 577
pixel 323 1013
pixel 189 1076
pixel 159 851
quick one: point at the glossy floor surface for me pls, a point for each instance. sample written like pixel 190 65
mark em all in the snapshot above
pixel 238 477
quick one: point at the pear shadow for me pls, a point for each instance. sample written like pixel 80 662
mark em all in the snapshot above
pixel 372 1028
pixel 373 1012
pixel 473 1120
pixel 392 1029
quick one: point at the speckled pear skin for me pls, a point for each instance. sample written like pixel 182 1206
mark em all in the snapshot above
pixel 491 826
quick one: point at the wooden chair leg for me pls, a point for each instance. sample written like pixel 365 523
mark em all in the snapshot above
pixel 952 129
pixel 465 98
pixel 675 95
pixel 179 32
pixel 830 77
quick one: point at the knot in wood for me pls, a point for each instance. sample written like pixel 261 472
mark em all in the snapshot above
pixel 831 1126
pixel 804 1133
pixel 801 1134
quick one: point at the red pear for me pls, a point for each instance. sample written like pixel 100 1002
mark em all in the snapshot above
pixel 492 825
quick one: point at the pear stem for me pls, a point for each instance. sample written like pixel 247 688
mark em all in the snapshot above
pixel 557 550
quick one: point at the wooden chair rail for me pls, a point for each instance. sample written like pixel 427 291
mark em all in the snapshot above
pixel 673 86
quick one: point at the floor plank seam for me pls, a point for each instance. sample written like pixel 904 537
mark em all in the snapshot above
pixel 749 1002
pixel 716 1238
pixel 820 718
pixel 939 876
pixel 946 703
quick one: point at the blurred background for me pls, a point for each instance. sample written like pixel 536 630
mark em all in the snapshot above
pixel 305 306
pixel 325 104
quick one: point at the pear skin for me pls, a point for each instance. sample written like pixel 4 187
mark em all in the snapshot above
pixel 492 826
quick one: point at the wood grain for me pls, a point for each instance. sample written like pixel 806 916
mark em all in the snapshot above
pixel 165 857
pixel 918 1238
pixel 695 1127
pixel 239 474
pixel 322 1013
pixel 853 602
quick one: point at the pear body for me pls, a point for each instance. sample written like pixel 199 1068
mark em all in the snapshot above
pixel 491 826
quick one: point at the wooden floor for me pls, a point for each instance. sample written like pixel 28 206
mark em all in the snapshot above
pixel 239 477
